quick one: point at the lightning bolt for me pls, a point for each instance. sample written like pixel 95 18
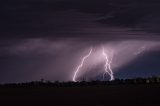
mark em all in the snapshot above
pixel 108 66
pixel 81 65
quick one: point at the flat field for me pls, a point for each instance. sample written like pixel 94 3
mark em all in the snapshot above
pixel 108 95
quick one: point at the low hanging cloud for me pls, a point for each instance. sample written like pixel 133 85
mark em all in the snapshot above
pixel 58 59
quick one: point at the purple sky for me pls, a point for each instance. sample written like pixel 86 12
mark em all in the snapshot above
pixel 47 39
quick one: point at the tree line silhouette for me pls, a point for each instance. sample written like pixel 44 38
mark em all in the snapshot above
pixel 47 83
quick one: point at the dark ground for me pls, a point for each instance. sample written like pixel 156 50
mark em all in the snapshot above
pixel 108 95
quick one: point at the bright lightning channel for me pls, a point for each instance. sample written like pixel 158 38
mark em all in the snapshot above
pixel 108 66
pixel 81 65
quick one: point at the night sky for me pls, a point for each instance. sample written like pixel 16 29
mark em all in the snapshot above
pixel 48 38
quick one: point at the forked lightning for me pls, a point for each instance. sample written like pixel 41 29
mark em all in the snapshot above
pixel 81 65
pixel 107 66
pixel 108 62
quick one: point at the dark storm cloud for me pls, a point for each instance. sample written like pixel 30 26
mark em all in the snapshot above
pixel 77 18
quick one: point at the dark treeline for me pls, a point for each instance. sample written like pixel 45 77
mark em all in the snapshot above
pixel 44 83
